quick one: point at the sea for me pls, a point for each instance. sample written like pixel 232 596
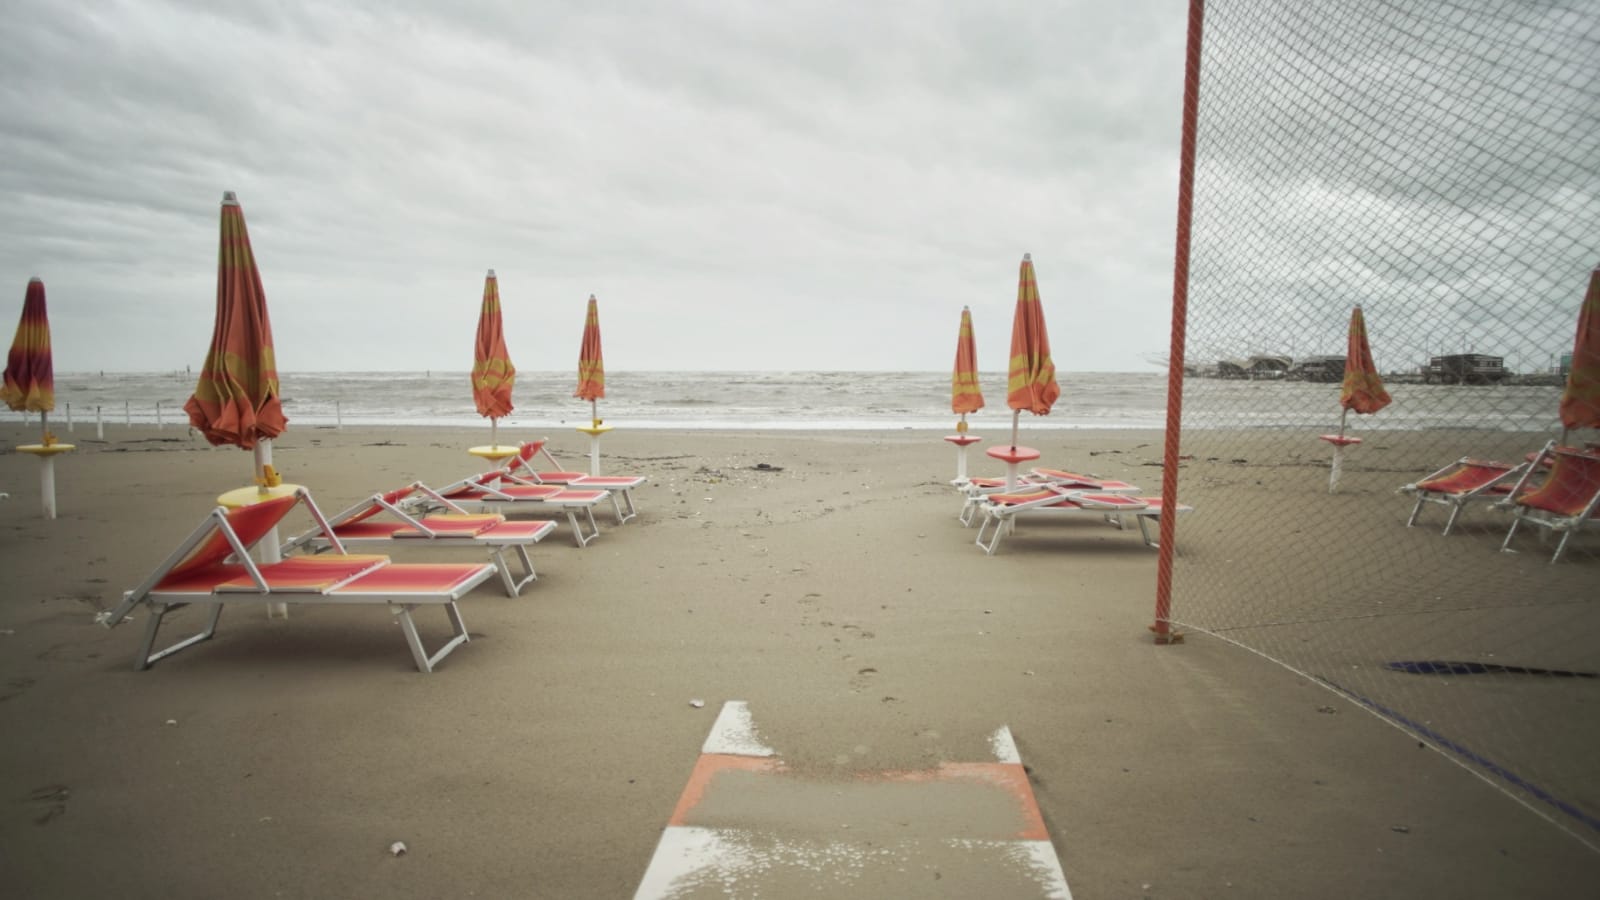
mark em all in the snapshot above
pixel 811 401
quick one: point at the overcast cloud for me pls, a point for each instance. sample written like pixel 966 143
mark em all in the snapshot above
pixel 741 185
pixel 822 185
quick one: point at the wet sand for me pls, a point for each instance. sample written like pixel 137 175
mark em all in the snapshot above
pixel 821 577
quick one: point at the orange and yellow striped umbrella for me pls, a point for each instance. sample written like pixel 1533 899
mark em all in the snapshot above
pixel 1032 381
pixel 1363 390
pixel 591 364
pixel 236 399
pixel 1580 402
pixel 493 375
pixel 965 397
pixel 29 380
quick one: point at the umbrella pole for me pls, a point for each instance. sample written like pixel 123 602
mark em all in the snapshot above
pixel 1015 415
pixel 594 438
pixel 1338 452
pixel 270 548
pixel 44 429
pixel 494 432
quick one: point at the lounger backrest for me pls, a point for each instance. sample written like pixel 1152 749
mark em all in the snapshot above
pixel 249 523
pixel 523 461
pixel 1572 487
pixel 1469 475
pixel 376 506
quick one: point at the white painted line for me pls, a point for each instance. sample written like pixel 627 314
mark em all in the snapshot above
pixel 734 733
pixel 1003 747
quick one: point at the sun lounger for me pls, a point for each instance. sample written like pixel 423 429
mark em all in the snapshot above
pixel 1462 482
pixel 1001 511
pixel 1564 502
pixel 213 567
pixel 365 523
pixel 498 493
pixel 522 468
pixel 976 489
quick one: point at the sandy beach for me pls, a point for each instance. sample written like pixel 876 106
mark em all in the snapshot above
pixel 821 577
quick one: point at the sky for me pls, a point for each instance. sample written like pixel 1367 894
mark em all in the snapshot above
pixel 742 185
pixel 748 185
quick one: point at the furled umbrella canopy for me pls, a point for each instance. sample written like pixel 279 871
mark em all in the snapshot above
pixel 493 375
pixel 1580 402
pixel 1363 390
pixel 29 377
pixel 965 396
pixel 1031 384
pixel 591 362
pixel 236 399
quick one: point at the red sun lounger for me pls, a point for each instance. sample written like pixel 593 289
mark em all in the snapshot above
pixel 1565 502
pixel 395 517
pixel 212 566
pixel 496 492
pixel 522 468
pixel 1001 511
pixel 1460 483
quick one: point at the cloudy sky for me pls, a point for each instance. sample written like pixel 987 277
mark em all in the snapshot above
pixel 743 185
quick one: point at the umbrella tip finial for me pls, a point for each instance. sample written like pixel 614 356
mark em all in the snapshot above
pixel 1027 257
pixel 36 280
pixel 491 274
pixel 229 198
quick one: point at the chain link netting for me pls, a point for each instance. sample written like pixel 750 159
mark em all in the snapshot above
pixel 1437 164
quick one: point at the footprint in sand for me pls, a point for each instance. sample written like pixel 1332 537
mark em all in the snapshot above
pixel 51 800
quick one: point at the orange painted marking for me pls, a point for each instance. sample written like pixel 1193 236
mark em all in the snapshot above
pixel 708 767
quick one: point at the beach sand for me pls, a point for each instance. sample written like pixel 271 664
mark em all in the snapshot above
pixel 833 590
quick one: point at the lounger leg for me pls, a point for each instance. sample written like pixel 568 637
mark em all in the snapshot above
pixel 1565 536
pixel 999 530
pixel 1505 545
pixel 968 507
pixel 578 535
pixel 628 510
pixel 425 663
pixel 1421 499
pixel 1455 513
pixel 146 658
pixel 513 584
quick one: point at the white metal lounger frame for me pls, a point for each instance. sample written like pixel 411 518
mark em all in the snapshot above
pixel 1003 516
pixel 496 500
pixel 973 494
pixel 420 496
pixel 516 469
pixel 1552 522
pixel 163 602
pixel 1457 502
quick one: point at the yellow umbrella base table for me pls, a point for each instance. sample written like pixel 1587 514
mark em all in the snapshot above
pixel 47 471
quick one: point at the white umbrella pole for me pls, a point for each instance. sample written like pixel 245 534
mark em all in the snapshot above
pixel 44 428
pixel 1015 415
pixel 99 425
pixel 47 484
pixel 494 432
pixel 270 551
pixel 1338 453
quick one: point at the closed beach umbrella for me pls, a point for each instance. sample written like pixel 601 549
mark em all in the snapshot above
pixel 1362 391
pixel 591 363
pixel 965 397
pixel 236 399
pixel 1031 384
pixel 492 372
pixel 1580 402
pixel 29 379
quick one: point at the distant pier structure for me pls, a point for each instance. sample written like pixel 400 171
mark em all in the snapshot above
pixel 1465 368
